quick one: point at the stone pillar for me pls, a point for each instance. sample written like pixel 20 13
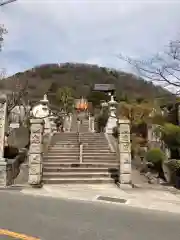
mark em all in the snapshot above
pixel 124 153
pixel 89 123
pixel 35 152
pixel 92 128
pixel 5 169
pixel 3 112
pixel 70 122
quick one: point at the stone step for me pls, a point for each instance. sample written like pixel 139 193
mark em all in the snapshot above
pixel 83 175
pixel 89 153
pixel 80 169
pixel 64 143
pixel 64 138
pixel 100 156
pixel 59 156
pixel 80 165
pixel 78 180
pixel 93 142
pixel 65 134
pixel 62 160
pixel 101 150
pixel 63 148
pixel 96 147
pixel 60 151
pixel 96 138
pixel 100 161
pixel 55 154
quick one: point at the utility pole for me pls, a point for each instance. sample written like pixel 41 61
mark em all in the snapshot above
pixel 4 2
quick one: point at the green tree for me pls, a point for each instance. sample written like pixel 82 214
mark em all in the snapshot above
pixel 65 99
pixel 102 119
pixel 156 157
pixel 136 113
pixel 170 134
pixel 96 97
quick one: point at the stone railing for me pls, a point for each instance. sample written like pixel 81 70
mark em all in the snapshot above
pixel 80 147
pixel 46 141
pixel 80 152
pixel 14 165
pixel 13 168
pixel 91 124
pixel 112 142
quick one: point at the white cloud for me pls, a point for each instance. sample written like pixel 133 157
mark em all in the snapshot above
pixel 94 31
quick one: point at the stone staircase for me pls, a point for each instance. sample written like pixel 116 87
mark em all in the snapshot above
pixel 61 164
pixel 62 154
pixel 96 152
pixel 84 127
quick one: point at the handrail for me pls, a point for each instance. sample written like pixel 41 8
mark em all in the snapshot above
pixel 81 153
pixel 80 143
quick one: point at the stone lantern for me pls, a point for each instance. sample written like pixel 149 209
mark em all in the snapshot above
pixel 112 120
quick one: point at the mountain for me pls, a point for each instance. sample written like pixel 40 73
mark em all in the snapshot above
pixel 81 78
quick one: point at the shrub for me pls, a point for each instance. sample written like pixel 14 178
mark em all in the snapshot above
pixel 155 156
pixel 170 134
pixel 101 121
pixel 174 166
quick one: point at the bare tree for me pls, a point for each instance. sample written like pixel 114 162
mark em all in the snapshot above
pixel 163 68
pixel 18 97
pixel 3 31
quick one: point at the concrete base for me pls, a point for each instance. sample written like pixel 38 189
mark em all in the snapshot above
pixel 125 186
pixel 5 173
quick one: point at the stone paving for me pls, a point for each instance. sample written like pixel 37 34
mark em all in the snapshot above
pixel 154 199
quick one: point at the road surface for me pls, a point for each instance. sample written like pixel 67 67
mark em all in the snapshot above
pixel 56 219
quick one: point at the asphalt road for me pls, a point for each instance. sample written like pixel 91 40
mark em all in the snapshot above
pixel 55 219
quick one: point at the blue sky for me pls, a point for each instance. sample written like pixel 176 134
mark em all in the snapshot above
pixel 89 31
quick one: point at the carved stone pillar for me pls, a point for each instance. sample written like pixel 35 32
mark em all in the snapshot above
pixel 5 168
pixel 124 146
pixel 35 152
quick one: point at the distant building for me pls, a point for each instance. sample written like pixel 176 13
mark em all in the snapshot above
pixel 81 104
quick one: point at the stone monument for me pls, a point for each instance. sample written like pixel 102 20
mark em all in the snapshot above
pixel 124 147
pixel 112 120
